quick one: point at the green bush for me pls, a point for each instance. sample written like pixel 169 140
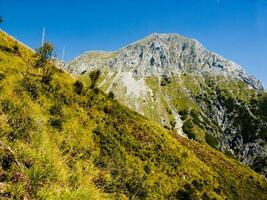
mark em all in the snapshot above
pixel 56 123
pixel 211 140
pixel 31 87
pixel 78 87
pixel 260 163
pixel 94 76
pixel 137 187
pixel 195 117
pixel 5 49
pixel 188 129
pixel 165 80
pixel 16 49
pixel 147 168
pixel 111 95
pixel 168 110
pixel 47 78
pixel 263 106
pixel 173 123
pixel 263 133
pixel 188 192
pixel 44 60
pixel 6 160
pixel 56 110
pixel 183 114
pixel 2 75
pixel 7 106
pixel 108 109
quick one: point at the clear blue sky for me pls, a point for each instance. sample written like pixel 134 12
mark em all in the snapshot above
pixel 236 29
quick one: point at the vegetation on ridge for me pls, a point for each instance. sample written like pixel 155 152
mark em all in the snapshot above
pixel 62 139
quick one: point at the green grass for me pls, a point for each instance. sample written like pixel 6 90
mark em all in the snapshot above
pixel 102 150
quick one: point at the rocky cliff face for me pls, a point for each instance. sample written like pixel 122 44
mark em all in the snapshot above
pixel 163 55
pixel 176 82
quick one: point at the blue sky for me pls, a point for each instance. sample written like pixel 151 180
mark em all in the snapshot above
pixel 236 29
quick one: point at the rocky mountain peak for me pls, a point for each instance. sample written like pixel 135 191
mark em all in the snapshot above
pixel 160 54
pixel 162 38
pixel 164 55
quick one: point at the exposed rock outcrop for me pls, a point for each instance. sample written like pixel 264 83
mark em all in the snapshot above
pixel 163 55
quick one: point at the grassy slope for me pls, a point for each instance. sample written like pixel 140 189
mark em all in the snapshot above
pixel 57 144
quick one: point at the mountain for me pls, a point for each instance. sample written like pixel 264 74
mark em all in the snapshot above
pixel 60 139
pixel 176 82
pixel 163 55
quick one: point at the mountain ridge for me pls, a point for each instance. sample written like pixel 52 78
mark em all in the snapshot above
pixel 65 140
pixel 179 84
pixel 209 61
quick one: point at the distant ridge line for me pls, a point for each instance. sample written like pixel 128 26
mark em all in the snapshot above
pixel 21 43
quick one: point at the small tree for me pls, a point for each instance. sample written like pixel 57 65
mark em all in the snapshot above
pixel 44 61
pixel 111 95
pixel 78 86
pixel 15 49
pixel 94 76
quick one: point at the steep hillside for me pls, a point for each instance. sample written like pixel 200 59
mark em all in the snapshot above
pixel 179 84
pixel 62 140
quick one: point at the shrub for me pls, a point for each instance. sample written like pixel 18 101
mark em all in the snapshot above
pixel 78 87
pixel 96 91
pixel 168 110
pixel 137 187
pixel 165 80
pixel 108 109
pixel 7 106
pixel 188 129
pixel 43 54
pixel 263 134
pixel 6 49
pixel 147 168
pixel 44 61
pixel 18 177
pixel 111 95
pixel 185 194
pixel 94 76
pixel 3 177
pixel 195 118
pixel 55 110
pixel 167 127
pixel 184 114
pixel 173 123
pixel 56 123
pixel 260 163
pixel 28 163
pixel 189 192
pixel 31 88
pixel 263 106
pixel 2 76
pixel 211 140
pixel 7 160
pixel 16 49
pixel 47 78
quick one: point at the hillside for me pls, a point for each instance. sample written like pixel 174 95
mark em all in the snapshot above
pixel 64 140
pixel 176 82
